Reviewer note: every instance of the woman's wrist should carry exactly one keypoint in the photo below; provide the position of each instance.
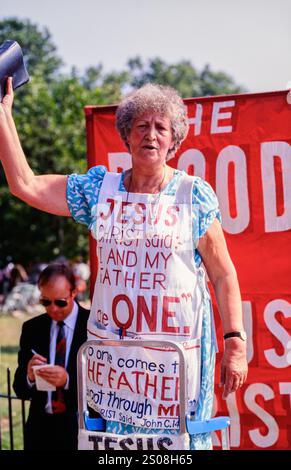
(9, 118)
(235, 343)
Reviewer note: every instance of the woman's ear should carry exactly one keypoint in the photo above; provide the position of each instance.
(171, 151)
(127, 144)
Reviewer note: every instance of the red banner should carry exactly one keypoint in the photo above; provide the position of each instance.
(240, 144)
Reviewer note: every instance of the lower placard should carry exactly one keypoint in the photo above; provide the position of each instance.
(92, 440)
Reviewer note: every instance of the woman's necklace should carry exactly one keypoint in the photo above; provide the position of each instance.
(160, 185)
(153, 207)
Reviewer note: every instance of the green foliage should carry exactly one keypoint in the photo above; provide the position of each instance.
(217, 83)
(38, 49)
(111, 84)
(182, 76)
(50, 120)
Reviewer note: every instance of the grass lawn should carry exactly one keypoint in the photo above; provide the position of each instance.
(10, 329)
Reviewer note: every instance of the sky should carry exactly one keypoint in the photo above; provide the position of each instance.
(248, 39)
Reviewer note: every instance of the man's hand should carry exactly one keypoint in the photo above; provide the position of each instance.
(234, 367)
(56, 375)
(36, 360)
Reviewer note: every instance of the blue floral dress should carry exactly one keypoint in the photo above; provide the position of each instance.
(82, 197)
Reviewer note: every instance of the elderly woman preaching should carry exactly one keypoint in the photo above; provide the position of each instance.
(154, 227)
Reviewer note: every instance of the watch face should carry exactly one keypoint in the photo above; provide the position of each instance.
(243, 335)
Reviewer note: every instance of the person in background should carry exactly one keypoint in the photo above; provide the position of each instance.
(81, 271)
(5, 274)
(22, 295)
(52, 338)
(18, 274)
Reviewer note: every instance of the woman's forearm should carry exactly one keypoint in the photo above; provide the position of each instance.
(17, 170)
(44, 192)
(229, 302)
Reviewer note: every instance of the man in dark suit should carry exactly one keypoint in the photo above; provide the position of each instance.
(52, 338)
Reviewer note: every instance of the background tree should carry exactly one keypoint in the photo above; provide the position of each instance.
(182, 76)
(38, 48)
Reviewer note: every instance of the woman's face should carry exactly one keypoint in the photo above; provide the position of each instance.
(150, 138)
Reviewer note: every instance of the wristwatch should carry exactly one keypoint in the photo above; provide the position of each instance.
(236, 334)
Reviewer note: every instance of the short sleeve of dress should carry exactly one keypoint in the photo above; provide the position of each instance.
(83, 192)
(205, 207)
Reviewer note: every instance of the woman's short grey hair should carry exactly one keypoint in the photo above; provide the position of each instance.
(158, 98)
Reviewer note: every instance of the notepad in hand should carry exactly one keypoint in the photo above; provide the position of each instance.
(42, 384)
(11, 65)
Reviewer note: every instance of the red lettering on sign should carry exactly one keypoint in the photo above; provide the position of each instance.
(110, 378)
(143, 311)
(164, 387)
(150, 384)
(110, 211)
(169, 314)
(172, 212)
(94, 371)
(123, 381)
(116, 301)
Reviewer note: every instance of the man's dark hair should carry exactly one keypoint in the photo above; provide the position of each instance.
(54, 270)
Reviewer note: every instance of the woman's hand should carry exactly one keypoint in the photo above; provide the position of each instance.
(234, 367)
(7, 102)
(44, 192)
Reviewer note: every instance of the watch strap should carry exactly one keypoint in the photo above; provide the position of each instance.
(235, 334)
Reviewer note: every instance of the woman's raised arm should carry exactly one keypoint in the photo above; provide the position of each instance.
(44, 192)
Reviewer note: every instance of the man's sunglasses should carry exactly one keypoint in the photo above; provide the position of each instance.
(58, 302)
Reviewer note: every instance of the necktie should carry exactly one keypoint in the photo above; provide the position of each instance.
(58, 400)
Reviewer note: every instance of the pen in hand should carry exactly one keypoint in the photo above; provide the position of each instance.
(37, 354)
(35, 361)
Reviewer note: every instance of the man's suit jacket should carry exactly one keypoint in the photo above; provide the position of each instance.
(36, 335)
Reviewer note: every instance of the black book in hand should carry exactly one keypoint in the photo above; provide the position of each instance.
(11, 65)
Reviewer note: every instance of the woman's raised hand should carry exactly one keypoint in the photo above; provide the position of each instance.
(7, 102)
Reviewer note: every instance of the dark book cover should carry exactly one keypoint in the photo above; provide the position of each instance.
(11, 65)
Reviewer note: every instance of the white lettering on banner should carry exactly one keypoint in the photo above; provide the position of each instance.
(275, 306)
(285, 389)
(262, 440)
(197, 120)
(195, 158)
(248, 326)
(233, 154)
(218, 116)
(237, 433)
(289, 352)
(270, 150)
(235, 428)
